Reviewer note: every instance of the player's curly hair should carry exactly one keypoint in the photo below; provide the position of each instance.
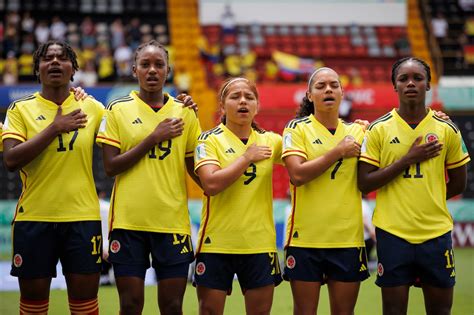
(43, 48)
(399, 62)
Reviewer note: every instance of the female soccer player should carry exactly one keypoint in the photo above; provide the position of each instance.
(404, 157)
(49, 137)
(325, 242)
(234, 162)
(148, 141)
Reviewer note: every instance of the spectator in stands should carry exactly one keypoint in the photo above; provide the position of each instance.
(150, 219)
(27, 24)
(228, 20)
(105, 70)
(58, 28)
(440, 26)
(49, 136)
(182, 80)
(42, 32)
(123, 61)
(234, 162)
(10, 69)
(405, 157)
(325, 241)
(134, 35)
(469, 29)
(118, 33)
(88, 33)
(87, 77)
(466, 5)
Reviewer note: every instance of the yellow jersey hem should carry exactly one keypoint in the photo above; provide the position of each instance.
(56, 219)
(148, 229)
(419, 240)
(326, 245)
(238, 251)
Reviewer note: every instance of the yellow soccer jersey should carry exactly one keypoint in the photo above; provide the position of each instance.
(413, 205)
(238, 220)
(58, 185)
(327, 211)
(150, 196)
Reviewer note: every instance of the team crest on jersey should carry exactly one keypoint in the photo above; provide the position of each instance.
(380, 269)
(17, 260)
(287, 142)
(201, 151)
(200, 268)
(290, 262)
(115, 246)
(431, 137)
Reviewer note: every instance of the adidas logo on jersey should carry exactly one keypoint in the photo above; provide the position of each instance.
(184, 250)
(362, 268)
(40, 117)
(318, 141)
(229, 150)
(207, 241)
(137, 121)
(395, 140)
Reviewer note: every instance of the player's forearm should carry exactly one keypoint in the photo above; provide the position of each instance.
(190, 168)
(457, 181)
(306, 171)
(220, 179)
(370, 178)
(19, 154)
(117, 163)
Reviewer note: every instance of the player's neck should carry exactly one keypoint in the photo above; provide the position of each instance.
(154, 99)
(327, 119)
(412, 113)
(55, 94)
(241, 131)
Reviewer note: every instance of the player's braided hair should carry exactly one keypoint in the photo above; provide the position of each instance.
(43, 48)
(399, 62)
(223, 93)
(151, 43)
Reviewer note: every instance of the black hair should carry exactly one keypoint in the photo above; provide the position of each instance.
(43, 48)
(151, 43)
(306, 108)
(399, 62)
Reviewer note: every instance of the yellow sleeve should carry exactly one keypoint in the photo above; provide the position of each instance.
(293, 143)
(194, 132)
(277, 147)
(370, 149)
(108, 130)
(100, 110)
(14, 126)
(457, 154)
(206, 153)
